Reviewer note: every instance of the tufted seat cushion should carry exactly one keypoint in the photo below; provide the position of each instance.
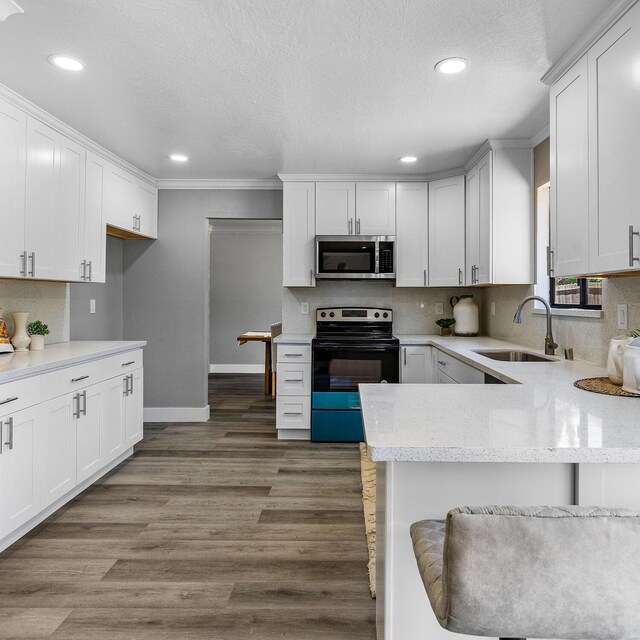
(536, 572)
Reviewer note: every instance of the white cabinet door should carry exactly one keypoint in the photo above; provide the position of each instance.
(42, 200)
(13, 145)
(614, 140)
(20, 492)
(375, 209)
(446, 232)
(412, 242)
(114, 424)
(147, 209)
(58, 440)
(133, 409)
(473, 224)
(479, 221)
(298, 234)
(90, 448)
(94, 234)
(119, 198)
(416, 365)
(335, 208)
(570, 172)
(69, 240)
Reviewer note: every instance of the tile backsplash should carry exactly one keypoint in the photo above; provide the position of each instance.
(46, 301)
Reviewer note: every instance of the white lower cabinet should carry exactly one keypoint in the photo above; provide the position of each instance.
(451, 370)
(293, 397)
(416, 365)
(49, 449)
(20, 489)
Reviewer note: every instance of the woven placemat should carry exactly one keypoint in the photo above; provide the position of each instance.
(604, 386)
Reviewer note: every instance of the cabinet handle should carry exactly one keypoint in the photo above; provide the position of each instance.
(76, 406)
(632, 233)
(311, 277)
(292, 413)
(358, 227)
(79, 379)
(83, 270)
(293, 379)
(1, 438)
(131, 384)
(126, 364)
(460, 277)
(32, 271)
(125, 391)
(404, 355)
(84, 403)
(425, 277)
(23, 260)
(293, 355)
(550, 269)
(350, 226)
(90, 264)
(8, 400)
(9, 442)
(442, 362)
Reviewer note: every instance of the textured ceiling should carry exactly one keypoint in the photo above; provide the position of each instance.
(249, 88)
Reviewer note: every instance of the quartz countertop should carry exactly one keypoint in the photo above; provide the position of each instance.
(14, 366)
(539, 417)
(294, 338)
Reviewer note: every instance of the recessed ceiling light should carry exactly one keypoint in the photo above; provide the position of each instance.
(408, 159)
(66, 62)
(452, 65)
(178, 157)
(9, 8)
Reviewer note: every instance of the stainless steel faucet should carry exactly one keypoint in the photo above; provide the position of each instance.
(550, 345)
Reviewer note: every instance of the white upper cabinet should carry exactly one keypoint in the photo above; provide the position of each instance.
(447, 232)
(298, 234)
(375, 209)
(614, 140)
(146, 209)
(120, 198)
(93, 254)
(335, 208)
(13, 144)
(479, 221)
(570, 173)
(412, 243)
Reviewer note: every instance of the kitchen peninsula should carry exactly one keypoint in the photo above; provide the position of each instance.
(536, 440)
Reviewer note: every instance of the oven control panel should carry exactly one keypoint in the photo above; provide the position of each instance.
(354, 314)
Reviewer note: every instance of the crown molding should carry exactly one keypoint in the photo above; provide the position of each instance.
(588, 39)
(43, 116)
(351, 177)
(231, 183)
(445, 173)
(541, 136)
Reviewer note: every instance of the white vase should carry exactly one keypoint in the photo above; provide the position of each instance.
(37, 343)
(615, 359)
(20, 339)
(465, 312)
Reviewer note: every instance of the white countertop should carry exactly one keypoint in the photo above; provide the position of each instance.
(14, 366)
(294, 338)
(543, 418)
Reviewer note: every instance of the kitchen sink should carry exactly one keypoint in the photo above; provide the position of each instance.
(515, 356)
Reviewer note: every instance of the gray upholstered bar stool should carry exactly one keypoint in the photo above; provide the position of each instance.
(537, 572)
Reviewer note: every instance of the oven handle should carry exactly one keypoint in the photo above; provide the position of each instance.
(343, 347)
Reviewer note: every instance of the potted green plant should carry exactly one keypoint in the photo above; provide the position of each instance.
(37, 330)
(445, 325)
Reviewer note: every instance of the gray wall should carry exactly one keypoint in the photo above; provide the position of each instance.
(246, 286)
(106, 322)
(166, 289)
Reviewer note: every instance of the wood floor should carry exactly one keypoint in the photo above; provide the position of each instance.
(213, 530)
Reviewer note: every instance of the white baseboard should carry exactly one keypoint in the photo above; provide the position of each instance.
(236, 368)
(176, 414)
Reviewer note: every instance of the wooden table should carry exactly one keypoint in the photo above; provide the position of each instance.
(261, 336)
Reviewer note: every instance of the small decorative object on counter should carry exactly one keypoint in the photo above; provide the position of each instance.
(5, 343)
(446, 325)
(465, 312)
(37, 330)
(631, 367)
(616, 357)
(20, 339)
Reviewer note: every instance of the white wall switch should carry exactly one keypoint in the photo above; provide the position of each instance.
(304, 308)
(439, 308)
(493, 308)
(92, 306)
(623, 316)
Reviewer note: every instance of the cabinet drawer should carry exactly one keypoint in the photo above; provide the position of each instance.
(58, 383)
(293, 412)
(294, 353)
(294, 379)
(18, 395)
(123, 363)
(460, 372)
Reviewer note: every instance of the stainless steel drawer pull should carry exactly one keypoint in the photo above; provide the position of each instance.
(32, 271)
(404, 355)
(84, 403)
(293, 355)
(90, 265)
(9, 442)
(293, 379)
(8, 400)
(126, 364)
(292, 413)
(632, 233)
(444, 364)
(460, 276)
(125, 391)
(79, 379)
(76, 406)
(131, 383)
(23, 260)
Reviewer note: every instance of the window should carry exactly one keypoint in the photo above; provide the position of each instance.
(562, 293)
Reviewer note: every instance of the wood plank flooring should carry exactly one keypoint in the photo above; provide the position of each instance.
(215, 530)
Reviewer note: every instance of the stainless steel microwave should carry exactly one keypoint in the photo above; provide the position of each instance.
(355, 257)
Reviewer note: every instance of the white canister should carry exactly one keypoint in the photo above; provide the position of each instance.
(631, 372)
(616, 358)
(466, 314)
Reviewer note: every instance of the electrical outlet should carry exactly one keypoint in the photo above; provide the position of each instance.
(439, 308)
(493, 308)
(623, 316)
(92, 306)
(304, 308)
